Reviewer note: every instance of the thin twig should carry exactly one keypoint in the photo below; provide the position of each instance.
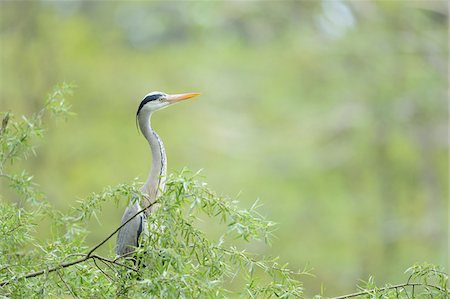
(123, 256)
(67, 286)
(406, 292)
(101, 270)
(113, 262)
(109, 266)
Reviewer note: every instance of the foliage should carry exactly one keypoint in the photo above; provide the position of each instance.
(177, 259)
(424, 281)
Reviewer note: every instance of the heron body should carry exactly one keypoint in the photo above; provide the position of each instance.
(129, 234)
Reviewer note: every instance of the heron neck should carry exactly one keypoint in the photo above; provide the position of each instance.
(156, 179)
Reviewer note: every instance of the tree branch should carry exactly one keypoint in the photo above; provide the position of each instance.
(38, 273)
(87, 256)
(403, 285)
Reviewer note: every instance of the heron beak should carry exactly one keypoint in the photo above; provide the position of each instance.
(173, 98)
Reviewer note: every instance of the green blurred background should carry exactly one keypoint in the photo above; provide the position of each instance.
(332, 113)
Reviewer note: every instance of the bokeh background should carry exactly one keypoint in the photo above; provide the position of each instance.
(333, 114)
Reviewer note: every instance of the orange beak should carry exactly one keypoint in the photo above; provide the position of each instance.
(173, 98)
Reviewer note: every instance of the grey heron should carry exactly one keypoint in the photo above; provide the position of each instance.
(128, 236)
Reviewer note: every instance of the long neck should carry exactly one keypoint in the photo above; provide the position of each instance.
(156, 179)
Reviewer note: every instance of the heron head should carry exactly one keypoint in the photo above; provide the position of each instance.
(157, 100)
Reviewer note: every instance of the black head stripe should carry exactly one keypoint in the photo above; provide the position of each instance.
(147, 99)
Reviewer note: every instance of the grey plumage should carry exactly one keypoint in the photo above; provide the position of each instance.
(128, 236)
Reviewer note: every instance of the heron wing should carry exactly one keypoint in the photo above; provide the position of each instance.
(128, 236)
